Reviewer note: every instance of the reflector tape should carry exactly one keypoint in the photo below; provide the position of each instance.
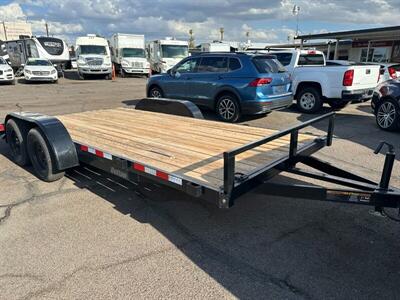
(157, 173)
(2, 128)
(96, 152)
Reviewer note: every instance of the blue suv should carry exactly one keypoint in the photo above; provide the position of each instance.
(231, 84)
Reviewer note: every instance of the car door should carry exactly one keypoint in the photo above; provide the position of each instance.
(203, 84)
(175, 82)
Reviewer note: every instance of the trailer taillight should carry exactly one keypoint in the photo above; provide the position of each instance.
(392, 73)
(260, 82)
(348, 78)
(2, 128)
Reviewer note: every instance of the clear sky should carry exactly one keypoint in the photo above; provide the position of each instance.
(267, 20)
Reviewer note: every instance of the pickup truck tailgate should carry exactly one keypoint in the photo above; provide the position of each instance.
(365, 76)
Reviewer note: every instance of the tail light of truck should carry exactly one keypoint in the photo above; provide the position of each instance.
(348, 78)
(392, 73)
(260, 82)
(2, 128)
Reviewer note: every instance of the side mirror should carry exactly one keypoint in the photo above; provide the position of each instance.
(158, 53)
(54, 65)
(22, 65)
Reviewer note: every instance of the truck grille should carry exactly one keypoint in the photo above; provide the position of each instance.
(137, 64)
(41, 73)
(94, 61)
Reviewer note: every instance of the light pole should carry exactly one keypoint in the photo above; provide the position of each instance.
(295, 12)
(221, 31)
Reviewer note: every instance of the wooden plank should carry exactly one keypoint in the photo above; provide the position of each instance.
(183, 146)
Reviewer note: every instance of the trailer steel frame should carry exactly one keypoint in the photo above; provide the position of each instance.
(357, 189)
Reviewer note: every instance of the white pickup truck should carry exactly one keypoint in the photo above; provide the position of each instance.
(315, 83)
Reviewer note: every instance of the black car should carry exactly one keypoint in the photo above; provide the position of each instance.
(386, 104)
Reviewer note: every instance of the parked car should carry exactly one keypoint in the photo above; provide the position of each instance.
(231, 84)
(386, 105)
(389, 71)
(6, 72)
(315, 82)
(39, 69)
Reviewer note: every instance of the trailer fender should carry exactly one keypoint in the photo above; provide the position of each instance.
(63, 150)
(170, 106)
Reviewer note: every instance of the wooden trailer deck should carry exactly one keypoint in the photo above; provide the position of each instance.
(187, 147)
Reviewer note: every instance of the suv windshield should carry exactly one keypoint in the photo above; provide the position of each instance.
(132, 52)
(93, 49)
(174, 51)
(268, 64)
(40, 62)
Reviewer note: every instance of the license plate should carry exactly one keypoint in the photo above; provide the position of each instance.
(279, 89)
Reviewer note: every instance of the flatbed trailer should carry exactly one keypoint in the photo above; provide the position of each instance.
(169, 142)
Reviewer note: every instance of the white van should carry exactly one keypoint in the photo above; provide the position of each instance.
(128, 54)
(93, 56)
(164, 54)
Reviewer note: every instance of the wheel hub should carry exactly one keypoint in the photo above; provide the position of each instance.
(307, 101)
(227, 109)
(386, 115)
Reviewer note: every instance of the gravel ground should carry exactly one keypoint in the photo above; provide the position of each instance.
(94, 236)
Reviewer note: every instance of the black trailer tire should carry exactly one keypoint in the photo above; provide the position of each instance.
(156, 92)
(338, 104)
(387, 115)
(16, 134)
(40, 156)
(309, 100)
(227, 108)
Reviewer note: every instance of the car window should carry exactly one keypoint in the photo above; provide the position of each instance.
(188, 66)
(234, 64)
(266, 64)
(213, 64)
(284, 58)
(311, 59)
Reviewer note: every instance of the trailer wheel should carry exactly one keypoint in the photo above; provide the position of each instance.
(39, 154)
(16, 139)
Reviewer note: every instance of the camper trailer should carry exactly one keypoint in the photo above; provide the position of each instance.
(164, 54)
(128, 54)
(93, 56)
(53, 49)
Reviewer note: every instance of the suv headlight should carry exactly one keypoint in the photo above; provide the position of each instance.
(53, 71)
(81, 61)
(125, 63)
(8, 70)
(27, 71)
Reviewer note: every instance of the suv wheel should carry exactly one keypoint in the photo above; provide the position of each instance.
(155, 92)
(309, 100)
(387, 115)
(228, 109)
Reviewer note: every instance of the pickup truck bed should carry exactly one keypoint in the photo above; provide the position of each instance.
(185, 147)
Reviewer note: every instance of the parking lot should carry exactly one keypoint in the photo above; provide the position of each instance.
(94, 236)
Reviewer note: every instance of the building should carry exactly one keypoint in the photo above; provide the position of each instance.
(13, 30)
(366, 45)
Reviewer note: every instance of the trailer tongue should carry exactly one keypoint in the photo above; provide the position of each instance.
(212, 161)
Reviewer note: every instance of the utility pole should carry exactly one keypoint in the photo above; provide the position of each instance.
(295, 12)
(5, 31)
(47, 29)
(221, 31)
(191, 40)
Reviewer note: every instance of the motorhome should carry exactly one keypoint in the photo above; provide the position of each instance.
(164, 54)
(128, 54)
(53, 49)
(93, 56)
(215, 47)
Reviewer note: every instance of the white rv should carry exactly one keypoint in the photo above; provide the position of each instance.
(93, 56)
(164, 54)
(53, 49)
(215, 47)
(128, 54)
